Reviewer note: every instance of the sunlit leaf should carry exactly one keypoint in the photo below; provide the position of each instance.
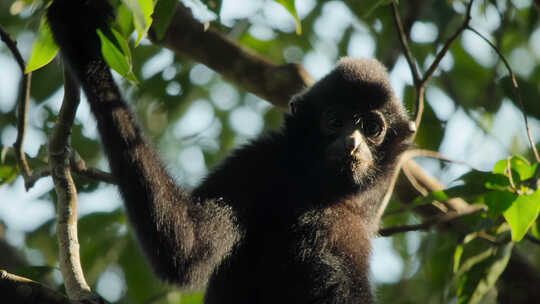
(7, 174)
(518, 164)
(522, 214)
(114, 55)
(142, 16)
(124, 20)
(457, 257)
(192, 298)
(289, 6)
(44, 48)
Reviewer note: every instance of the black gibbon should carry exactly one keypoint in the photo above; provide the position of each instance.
(286, 218)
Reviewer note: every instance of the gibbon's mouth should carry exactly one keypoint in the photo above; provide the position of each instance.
(360, 158)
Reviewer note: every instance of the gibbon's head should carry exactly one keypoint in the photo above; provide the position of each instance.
(352, 120)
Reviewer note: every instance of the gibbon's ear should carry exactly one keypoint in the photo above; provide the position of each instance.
(412, 127)
(296, 104)
(293, 107)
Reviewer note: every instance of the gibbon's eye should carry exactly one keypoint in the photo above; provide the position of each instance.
(373, 126)
(331, 121)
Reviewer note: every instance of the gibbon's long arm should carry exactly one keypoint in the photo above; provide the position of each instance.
(185, 239)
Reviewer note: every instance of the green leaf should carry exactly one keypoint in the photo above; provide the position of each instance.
(7, 174)
(482, 266)
(164, 12)
(44, 48)
(142, 16)
(522, 214)
(117, 54)
(518, 164)
(498, 202)
(458, 252)
(289, 6)
(124, 20)
(192, 298)
(495, 268)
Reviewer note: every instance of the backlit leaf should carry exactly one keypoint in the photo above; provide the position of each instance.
(44, 49)
(142, 16)
(289, 6)
(117, 54)
(522, 214)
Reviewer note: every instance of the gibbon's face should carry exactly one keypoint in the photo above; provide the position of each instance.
(352, 140)
(353, 120)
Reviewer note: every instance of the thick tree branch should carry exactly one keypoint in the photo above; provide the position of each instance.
(66, 228)
(254, 73)
(18, 290)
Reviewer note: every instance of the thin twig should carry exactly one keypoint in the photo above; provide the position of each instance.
(407, 156)
(78, 165)
(405, 45)
(22, 112)
(515, 87)
(435, 221)
(414, 182)
(12, 46)
(435, 64)
(420, 81)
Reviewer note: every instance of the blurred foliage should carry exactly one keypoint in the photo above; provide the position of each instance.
(191, 112)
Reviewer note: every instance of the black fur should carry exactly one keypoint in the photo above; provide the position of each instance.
(276, 222)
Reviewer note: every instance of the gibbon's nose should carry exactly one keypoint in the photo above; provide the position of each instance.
(354, 141)
(357, 147)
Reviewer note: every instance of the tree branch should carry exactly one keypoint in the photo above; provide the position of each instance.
(78, 165)
(405, 45)
(420, 81)
(435, 64)
(66, 228)
(18, 290)
(435, 221)
(22, 112)
(254, 73)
